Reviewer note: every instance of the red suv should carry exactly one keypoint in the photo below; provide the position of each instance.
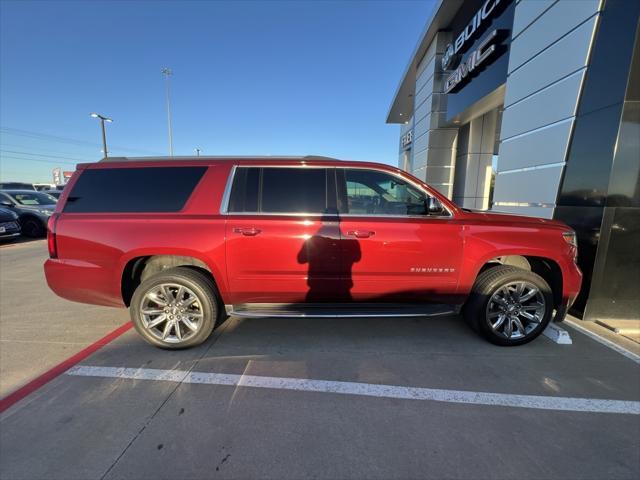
(184, 242)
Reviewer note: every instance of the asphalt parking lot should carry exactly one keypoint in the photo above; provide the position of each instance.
(315, 398)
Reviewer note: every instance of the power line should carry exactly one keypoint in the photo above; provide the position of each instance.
(53, 162)
(43, 155)
(55, 138)
(48, 150)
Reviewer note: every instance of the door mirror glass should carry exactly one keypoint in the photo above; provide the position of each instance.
(434, 206)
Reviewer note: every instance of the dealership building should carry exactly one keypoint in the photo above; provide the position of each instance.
(532, 107)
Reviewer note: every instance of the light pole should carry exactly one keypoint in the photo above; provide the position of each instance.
(197, 150)
(104, 132)
(167, 73)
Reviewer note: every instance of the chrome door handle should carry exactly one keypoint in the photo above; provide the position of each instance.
(361, 233)
(247, 232)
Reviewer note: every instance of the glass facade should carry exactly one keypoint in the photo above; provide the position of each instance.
(598, 196)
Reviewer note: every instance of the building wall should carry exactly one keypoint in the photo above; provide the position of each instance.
(474, 154)
(548, 59)
(405, 155)
(433, 150)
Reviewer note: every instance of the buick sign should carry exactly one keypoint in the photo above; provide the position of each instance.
(448, 58)
(473, 61)
(451, 51)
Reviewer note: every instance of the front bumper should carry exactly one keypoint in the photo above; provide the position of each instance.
(9, 229)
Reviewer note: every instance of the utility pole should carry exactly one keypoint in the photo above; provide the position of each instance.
(167, 73)
(104, 132)
(197, 150)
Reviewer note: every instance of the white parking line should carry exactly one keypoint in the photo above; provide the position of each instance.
(593, 405)
(604, 341)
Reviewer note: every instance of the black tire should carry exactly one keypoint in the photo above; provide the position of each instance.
(475, 310)
(208, 305)
(33, 227)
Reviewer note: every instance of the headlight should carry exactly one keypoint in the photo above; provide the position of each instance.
(45, 212)
(570, 238)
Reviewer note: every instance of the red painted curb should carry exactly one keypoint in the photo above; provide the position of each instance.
(62, 367)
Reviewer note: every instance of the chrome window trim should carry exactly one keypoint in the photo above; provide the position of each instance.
(224, 204)
(419, 187)
(227, 194)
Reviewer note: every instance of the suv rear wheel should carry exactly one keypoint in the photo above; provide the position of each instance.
(509, 306)
(176, 308)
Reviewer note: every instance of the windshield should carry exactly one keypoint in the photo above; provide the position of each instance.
(35, 198)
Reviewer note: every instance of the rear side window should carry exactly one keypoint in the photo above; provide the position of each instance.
(244, 194)
(144, 189)
(294, 190)
(283, 190)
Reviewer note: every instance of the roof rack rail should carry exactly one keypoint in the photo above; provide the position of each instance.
(217, 157)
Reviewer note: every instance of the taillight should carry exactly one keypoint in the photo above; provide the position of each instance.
(52, 242)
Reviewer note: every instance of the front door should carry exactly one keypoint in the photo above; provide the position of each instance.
(392, 249)
(282, 235)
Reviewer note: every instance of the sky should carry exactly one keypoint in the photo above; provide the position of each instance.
(249, 78)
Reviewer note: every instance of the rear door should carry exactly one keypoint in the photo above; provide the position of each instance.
(391, 248)
(282, 235)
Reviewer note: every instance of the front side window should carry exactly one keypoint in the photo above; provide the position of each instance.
(370, 192)
(282, 190)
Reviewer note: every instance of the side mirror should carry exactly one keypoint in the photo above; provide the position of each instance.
(434, 207)
(6, 203)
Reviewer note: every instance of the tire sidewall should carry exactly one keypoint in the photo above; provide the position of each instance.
(34, 231)
(482, 300)
(204, 293)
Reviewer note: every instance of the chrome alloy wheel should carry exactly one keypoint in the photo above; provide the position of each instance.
(170, 312)
(516, 309)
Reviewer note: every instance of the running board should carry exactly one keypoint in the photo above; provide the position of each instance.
(348, 310)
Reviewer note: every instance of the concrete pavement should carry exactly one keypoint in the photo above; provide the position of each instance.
(37, 328)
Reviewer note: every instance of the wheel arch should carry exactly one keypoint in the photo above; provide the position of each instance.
(139, 268)
(546, 267)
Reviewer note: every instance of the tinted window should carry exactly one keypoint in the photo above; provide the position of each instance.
(146, 189)
(282, 190)
(294, 190)
(16, 186)
(370, 192)
(244, 193)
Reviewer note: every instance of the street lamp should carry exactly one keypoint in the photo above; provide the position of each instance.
(167, 73)
(104, 133)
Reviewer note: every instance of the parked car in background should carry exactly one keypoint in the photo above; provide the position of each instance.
(54, 193)
(16, 186)
(33, 209)
(185, 241)
(41, 187)
(9, 225)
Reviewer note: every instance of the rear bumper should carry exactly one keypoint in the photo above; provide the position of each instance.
(83, 282)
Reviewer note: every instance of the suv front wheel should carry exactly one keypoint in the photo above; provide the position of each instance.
(509, 306)
(176, 308)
